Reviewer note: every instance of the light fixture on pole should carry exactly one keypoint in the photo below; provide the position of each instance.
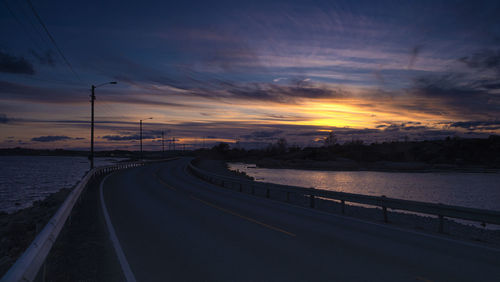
(92, 99)
(140, 134)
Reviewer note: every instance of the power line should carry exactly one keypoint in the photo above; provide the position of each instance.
(52, 39)
(21, 24)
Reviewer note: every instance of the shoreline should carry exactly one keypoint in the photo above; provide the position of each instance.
(349, 165)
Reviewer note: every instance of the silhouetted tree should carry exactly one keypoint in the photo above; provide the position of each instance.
(330, 140)
(282, 145)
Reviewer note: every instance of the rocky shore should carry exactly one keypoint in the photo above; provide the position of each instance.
(18, 229)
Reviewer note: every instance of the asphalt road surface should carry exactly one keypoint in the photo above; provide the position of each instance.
(172, 226)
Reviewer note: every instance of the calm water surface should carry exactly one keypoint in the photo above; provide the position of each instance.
(25, 179)
(477, 190)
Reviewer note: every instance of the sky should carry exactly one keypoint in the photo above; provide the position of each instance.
(248, 72)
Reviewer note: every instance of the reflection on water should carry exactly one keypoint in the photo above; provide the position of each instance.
(477, 190)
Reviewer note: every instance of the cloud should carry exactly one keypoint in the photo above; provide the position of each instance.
(262, 134)
(477, 125)
(13, 64)
(51, 138)
(483, 60)
(132, 137)
(122, 137)
(29, 93)
(413, 55)
(3, 118)
(292, 93)
(454, 94)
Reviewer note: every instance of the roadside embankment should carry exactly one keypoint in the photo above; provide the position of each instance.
(19, 229)
(82, 251)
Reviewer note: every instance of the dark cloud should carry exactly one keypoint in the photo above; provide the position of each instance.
(453, 94)
(483, 60)
(44, 58)
(131, 137)
(312, 133)
(3, 118)
(121, 137)
(477, 125)
(13, 64)
(415, 51)
(284, 93)
(74, 95)
(51, 138)
(262, 134)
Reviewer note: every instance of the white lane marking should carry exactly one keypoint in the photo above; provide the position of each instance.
(129, 275)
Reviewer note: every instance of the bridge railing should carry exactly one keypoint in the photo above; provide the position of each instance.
(439, 210)
(28, 265)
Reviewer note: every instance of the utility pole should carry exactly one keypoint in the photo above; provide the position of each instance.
(92, 99)
(162, 145)
(140, 135)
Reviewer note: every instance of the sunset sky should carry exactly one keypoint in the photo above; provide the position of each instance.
(249, 71)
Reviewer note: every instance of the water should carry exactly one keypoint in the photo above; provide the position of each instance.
(475, 190)
(25, 179)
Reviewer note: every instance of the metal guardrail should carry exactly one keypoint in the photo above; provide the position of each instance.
(440, 210)
(27, 266)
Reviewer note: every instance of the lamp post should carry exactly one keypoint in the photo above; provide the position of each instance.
(140, 134)
(92, 99)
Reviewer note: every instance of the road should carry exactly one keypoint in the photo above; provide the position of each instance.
(172, 226)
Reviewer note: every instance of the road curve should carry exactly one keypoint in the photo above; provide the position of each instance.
(173, 226)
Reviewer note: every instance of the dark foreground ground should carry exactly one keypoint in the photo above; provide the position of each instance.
(84, 252)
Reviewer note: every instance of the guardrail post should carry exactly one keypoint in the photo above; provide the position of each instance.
(287, 197)
(342, 203)
(441, 224)
(384, 209)
(311, 201)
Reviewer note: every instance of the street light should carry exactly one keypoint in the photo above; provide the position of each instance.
(92, 99)
(140, 136)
